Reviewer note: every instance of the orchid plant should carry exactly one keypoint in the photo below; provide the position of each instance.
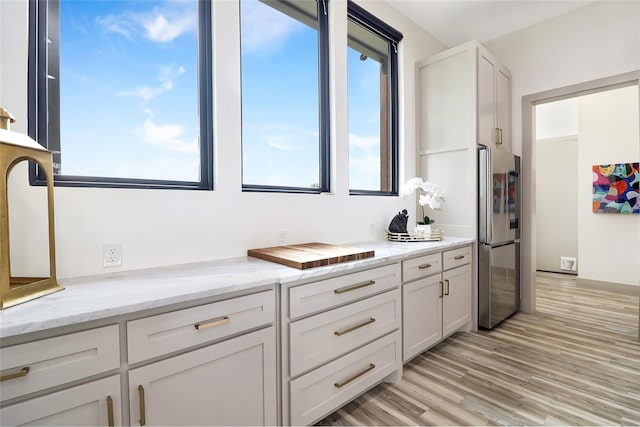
(431, 195)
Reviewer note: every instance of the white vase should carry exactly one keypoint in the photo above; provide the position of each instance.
(423, 229)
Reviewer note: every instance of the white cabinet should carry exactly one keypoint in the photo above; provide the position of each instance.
(343, 339)
(464, 99)
(229, 383)
(96, 403)
(50, 364)
(438, 303)
(494, 102)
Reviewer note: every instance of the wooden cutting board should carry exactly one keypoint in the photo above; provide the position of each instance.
(308, 255)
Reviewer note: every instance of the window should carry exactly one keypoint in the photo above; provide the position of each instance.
(373, 103)
(122, 91)
(285, 120)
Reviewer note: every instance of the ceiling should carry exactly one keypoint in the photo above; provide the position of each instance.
(457, 21)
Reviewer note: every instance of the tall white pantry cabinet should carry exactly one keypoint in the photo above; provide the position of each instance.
(464, 99)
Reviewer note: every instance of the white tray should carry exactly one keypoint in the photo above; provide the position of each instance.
(412, 236)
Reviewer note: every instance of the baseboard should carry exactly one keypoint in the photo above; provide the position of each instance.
(619, 288)
(566, 273)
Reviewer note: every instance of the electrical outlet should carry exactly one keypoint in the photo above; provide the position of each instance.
(112, 255)
(282, 237)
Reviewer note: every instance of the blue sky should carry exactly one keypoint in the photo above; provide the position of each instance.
(129, 92)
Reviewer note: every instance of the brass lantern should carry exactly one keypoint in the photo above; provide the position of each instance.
(14, 149)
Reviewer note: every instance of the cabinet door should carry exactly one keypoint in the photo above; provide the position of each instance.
(230, 383)
(503, 107)
(422, 315)
(84, 405)
(487, 134)
(456, 304)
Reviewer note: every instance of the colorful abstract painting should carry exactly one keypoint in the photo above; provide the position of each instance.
(616, 188)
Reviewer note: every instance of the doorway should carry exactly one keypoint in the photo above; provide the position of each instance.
(530, 169)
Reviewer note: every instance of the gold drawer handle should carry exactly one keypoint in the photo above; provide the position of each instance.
(353, 328)
(356, 376)
(457, 257)
(441, 289)
(143, 416)
(21, 373)
(423, 266)
(110, 411)
(354, 287)
(213, 323)
(446, 282)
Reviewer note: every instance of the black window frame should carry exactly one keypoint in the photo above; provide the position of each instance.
(38, 91)
(324, 122)
(369, 21)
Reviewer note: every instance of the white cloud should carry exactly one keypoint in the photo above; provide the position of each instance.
(167, 137)
(166, 76)
(365, 143)
(279, 142)
(264, 29)
(161, 25)
(160, 29)
(117, 24)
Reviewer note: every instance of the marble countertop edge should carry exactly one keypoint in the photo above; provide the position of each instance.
(101, 297)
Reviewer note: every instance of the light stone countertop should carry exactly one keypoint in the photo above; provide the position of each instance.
(86, 299)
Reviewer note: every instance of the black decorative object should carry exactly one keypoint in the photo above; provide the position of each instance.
(399, 222)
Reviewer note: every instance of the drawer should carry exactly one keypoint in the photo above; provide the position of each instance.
(456, 257)
(323, 337)
(417, 268)
(75, 406)
(157, 335)
(53, 361)
(318, 296)
(325, 389)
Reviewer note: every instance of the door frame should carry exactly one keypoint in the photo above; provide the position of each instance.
(528, 217)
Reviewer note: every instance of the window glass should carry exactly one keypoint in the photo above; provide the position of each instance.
(122, 89)
(372, 105)
(280, 94)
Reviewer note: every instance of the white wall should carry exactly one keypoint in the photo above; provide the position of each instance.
(609, 244)
(557, 201)
(596, 41)
(159, 227)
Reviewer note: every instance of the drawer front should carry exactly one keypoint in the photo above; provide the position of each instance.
(417, 268)
(157, 335)
(92, 404)
(38, 365)
(320, 338)
(456, 257)
(327, 388)
(319, 296)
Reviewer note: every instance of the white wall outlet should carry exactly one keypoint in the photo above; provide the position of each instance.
(112, 255)
(567, 263)
(282, 237)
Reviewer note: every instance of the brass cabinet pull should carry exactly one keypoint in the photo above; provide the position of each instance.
(498, 136)
(500, 129)
(110, 411)
(143, 416)
(213, 323)
(354, 287)
(458, 257)
(423, 266)
(356, 376)
(353, 328)
(446, 282)
(21, 373)
(441, 289)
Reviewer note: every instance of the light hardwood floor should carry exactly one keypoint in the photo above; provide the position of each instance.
(576, 361)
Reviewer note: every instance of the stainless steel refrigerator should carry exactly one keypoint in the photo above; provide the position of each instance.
(498, 236)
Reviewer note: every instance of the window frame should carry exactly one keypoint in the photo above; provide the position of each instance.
(367, 20)
(38, 91)
(324, 121)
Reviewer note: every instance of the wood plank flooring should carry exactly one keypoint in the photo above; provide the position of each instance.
(576, 361)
